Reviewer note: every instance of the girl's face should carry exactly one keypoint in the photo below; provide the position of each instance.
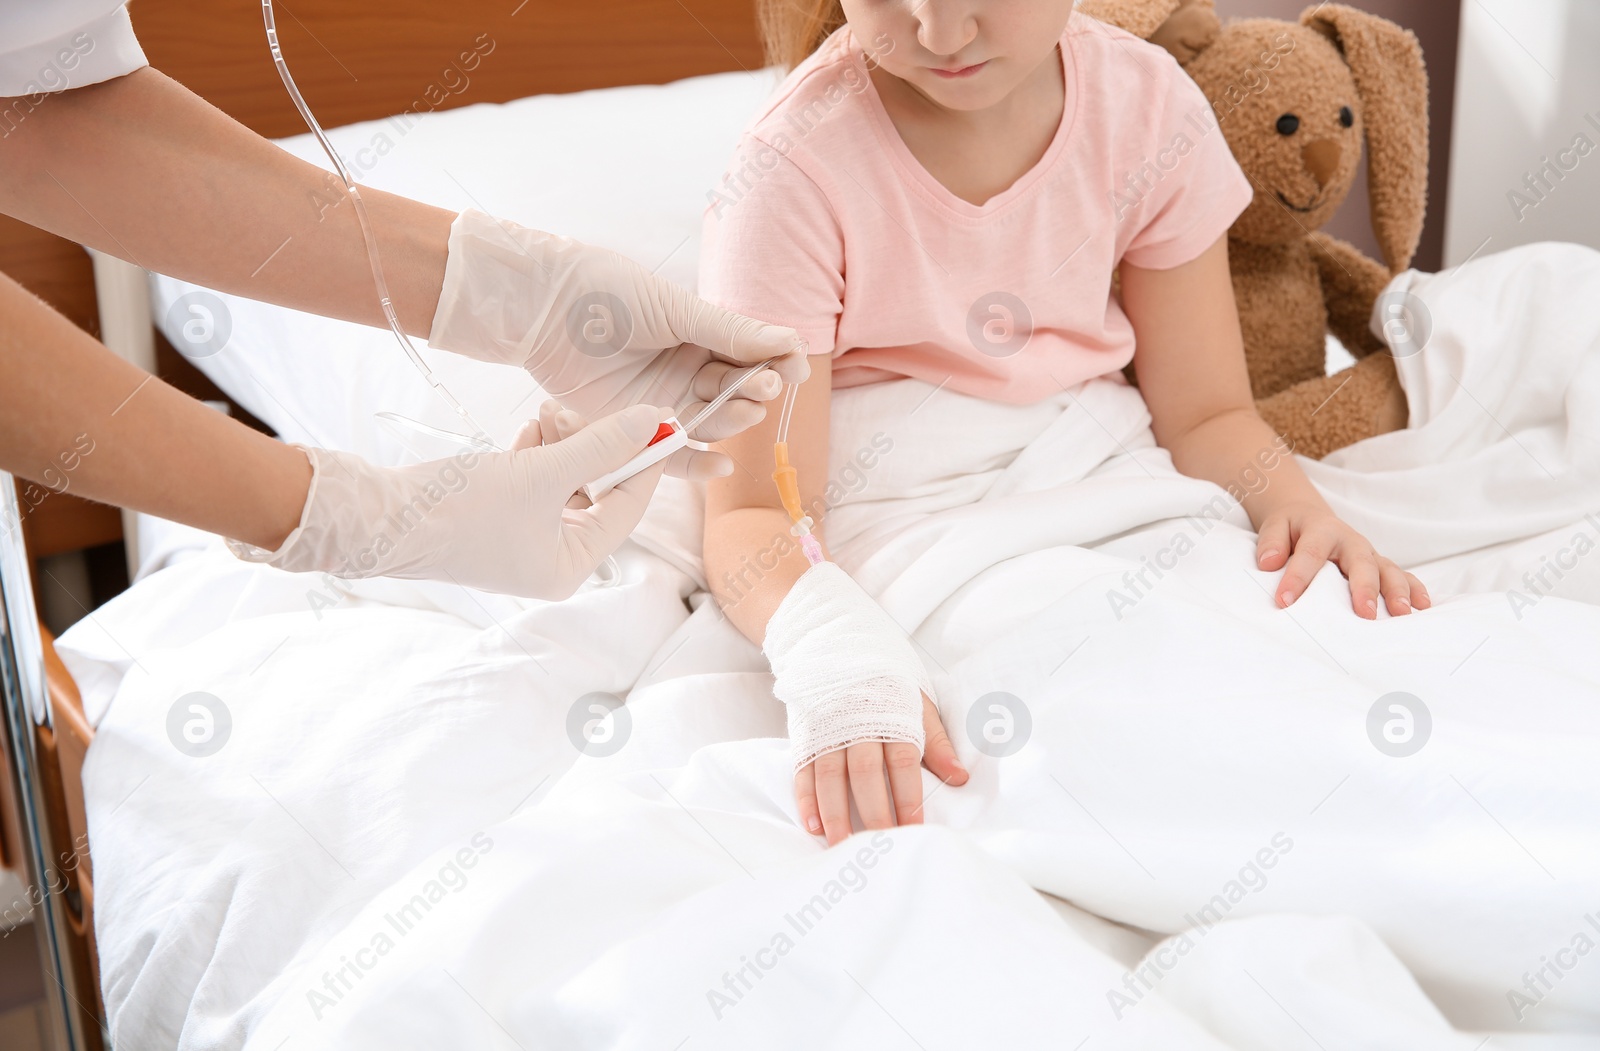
(961, 54)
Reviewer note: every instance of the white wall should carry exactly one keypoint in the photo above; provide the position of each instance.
(1527, 94)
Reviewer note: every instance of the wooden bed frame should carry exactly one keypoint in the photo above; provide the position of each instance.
(354, 60)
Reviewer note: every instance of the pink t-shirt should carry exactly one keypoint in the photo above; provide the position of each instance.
(825, 222)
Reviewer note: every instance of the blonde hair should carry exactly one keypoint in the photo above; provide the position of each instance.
(792, 29)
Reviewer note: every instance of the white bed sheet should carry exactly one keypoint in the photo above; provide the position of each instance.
(376, 734)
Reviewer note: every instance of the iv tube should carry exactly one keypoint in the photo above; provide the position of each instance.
(785, 476)
(788, 482)
(787, 412)
(366, 231)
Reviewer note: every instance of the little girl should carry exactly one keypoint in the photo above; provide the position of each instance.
(943, 190)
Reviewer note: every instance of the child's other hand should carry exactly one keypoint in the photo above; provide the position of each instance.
(1300, 538)
(884, 777)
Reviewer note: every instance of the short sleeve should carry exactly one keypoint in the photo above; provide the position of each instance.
(1188, 190)
(772, 248)
(54, 47)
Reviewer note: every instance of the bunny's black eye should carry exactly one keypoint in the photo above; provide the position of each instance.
(1288, 124)
(1347, 118)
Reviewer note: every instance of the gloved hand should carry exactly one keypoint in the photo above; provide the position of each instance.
(843, 668)
(599, 332)
(494, 521)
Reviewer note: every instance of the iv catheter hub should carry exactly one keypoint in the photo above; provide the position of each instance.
(670, 437)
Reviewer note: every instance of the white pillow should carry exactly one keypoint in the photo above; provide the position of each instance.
(626, 168)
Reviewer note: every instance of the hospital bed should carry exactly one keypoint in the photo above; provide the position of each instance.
(354, 61)
(640, 885)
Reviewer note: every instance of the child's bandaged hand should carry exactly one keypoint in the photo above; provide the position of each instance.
(856, 691)
(844, 668)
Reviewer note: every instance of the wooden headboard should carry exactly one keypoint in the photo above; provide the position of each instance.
(366, 59)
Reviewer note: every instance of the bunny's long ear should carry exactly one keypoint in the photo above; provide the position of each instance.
(1139, 17)
(1386, 62)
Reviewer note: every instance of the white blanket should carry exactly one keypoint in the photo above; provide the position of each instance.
(1306, 829)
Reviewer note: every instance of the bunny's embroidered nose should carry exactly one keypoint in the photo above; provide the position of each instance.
(1322, 160)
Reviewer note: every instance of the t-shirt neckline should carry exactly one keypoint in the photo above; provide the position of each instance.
(937, 191)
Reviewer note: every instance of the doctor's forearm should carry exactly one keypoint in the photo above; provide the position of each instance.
(142, 168)
(76, 418)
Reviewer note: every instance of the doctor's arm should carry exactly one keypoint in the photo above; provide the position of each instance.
(76, 418)
(141, 168)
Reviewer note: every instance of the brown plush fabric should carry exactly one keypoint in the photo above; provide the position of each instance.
(1330, 412)
(1191, 29)
(1142, 18)
(1280, 91)
(1386, 62)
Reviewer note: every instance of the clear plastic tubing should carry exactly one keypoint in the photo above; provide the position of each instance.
(787, 480)
(366, 232)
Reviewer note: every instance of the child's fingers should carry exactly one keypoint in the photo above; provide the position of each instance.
(905, 781)
(833, 799)
(1420, 599)
(805, 798)
(865, 764)
(939, 753)
(1272, 544)
(1309, 556)
(1361, 569)
(1396, 588)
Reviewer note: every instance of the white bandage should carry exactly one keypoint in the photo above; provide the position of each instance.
(844, 669)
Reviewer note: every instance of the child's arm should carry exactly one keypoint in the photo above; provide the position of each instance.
(1192, 374)
(752, 560)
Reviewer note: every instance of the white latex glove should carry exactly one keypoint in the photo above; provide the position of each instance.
(843, 668)
(599, 332)
(493, 521)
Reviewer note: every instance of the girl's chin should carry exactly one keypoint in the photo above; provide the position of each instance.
(965, 95)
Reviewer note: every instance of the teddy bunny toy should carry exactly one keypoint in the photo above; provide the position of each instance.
(1295, 102)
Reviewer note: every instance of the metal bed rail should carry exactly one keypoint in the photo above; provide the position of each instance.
(74, 1025)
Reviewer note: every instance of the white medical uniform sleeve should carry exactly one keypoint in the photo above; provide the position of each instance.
(843, 668)
(62, 44)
